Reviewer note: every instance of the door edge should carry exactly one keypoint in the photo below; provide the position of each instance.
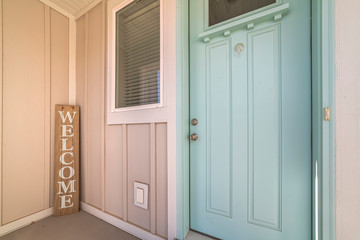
(182, 120)
(323, 138)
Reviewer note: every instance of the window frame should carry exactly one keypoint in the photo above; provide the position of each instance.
(113, 112)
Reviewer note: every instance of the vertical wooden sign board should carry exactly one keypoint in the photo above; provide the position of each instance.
(66, 199)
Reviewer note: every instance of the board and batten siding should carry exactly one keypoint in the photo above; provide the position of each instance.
(114, 156)
(34, 78)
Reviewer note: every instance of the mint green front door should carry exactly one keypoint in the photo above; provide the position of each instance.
(250, 91)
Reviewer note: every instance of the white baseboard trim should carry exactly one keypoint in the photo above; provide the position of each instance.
(10, 227)
(127, 227)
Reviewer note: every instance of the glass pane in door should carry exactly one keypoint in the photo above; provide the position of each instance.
(222, 10)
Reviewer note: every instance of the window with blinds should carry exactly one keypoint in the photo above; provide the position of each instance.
(137, 72)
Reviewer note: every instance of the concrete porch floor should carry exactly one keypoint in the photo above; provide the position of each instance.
(197, 236)
(79, 226)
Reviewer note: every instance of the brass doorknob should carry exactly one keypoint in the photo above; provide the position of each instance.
(194, 121)
(194, 137)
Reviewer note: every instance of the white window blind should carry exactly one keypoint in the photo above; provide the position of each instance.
(138, 54)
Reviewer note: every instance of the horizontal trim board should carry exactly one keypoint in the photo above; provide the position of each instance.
(23, 222)
(127, 227)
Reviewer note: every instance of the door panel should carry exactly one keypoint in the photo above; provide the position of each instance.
(264, 128)
(218, 113)
(250, 169)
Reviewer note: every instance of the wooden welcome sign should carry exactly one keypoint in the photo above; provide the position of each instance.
(66, 199)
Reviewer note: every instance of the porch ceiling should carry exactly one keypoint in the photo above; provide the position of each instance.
(71, 8)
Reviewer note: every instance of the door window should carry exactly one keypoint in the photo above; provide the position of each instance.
(222, 10)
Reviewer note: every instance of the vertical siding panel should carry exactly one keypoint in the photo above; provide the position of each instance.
(23, 109)
(153, 177)
(1, 107)
(86, 112)
(125, 171)
(161, 180)
(138, 170)
(103, 66)
(47, 106)
(95, 81)
(59, 76)
(80, 98)
(72, 61)
(114, 170)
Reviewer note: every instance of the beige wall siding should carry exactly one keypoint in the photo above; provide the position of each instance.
(36, 70)
(114, 170)
(95, 80)
(89, 85)
(138, 151)
(23, 109)
(59, 76)
(161, 180)
(130, 148)
(132, 152)
(34, 79)
(347, 120)
(81, 96)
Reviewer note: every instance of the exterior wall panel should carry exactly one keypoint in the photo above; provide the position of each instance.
(132, 152)
(347, 120)
(95, 80)
(81, 93)
(138, 162)
(114, 190)
(35, 78)
(59, 65)
(161, 180)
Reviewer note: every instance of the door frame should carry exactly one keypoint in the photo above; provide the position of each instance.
(323, 132)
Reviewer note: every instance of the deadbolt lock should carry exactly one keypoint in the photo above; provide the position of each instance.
(194, 121)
